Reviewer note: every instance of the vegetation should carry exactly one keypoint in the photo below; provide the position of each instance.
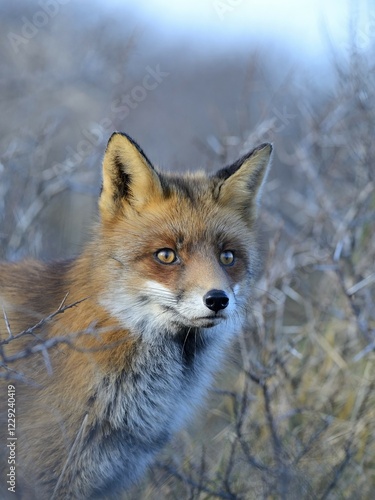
(293, 413)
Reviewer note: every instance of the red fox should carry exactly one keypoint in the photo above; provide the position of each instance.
(160, 289)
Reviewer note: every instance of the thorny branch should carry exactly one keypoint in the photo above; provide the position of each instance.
(302, 422)
(30, 331)
(42, 346)
(299, 419)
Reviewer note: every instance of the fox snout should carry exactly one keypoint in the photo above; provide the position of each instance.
(216, 300)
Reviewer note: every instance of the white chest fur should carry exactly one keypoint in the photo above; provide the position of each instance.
(143, 407)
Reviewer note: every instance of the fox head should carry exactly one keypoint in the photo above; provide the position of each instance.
(180, 250)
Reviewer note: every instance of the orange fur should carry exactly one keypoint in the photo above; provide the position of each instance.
(137, 349)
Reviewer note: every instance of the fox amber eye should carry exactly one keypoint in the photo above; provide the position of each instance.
(166, 256)
(227, 258)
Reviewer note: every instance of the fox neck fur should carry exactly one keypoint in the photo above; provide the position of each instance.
(159, 291)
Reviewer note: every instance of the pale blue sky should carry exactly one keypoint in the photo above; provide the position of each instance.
(301, 25)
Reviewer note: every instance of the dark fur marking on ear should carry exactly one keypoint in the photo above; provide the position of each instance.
(122, 181)
(229, 170)
(132, 141)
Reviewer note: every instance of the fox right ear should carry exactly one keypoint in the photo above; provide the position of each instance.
(129, 179)
(240, 185)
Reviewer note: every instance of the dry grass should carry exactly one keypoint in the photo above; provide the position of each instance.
(294, 414)
(297, 419)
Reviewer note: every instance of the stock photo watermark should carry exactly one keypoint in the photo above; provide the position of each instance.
(33, 24)
(283, 118)
(120, 109)
(11, 439)
(223, 7)
(366, 34)
(126, 102)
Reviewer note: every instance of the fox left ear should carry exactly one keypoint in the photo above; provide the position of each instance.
(129, 179)
(241, 183)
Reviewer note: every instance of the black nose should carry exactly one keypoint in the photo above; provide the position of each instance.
(216, 300)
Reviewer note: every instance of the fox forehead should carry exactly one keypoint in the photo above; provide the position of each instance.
(196, 188)
(183, 220)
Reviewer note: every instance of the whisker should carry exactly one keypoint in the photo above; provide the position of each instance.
(184, 344)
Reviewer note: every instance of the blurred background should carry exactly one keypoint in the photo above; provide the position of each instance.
(197, 84)
(194, 83)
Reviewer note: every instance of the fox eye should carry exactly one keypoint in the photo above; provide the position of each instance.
(166, 256)
(227, 258)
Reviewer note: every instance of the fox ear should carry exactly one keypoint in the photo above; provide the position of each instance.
(241, 183)
(129, 179)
